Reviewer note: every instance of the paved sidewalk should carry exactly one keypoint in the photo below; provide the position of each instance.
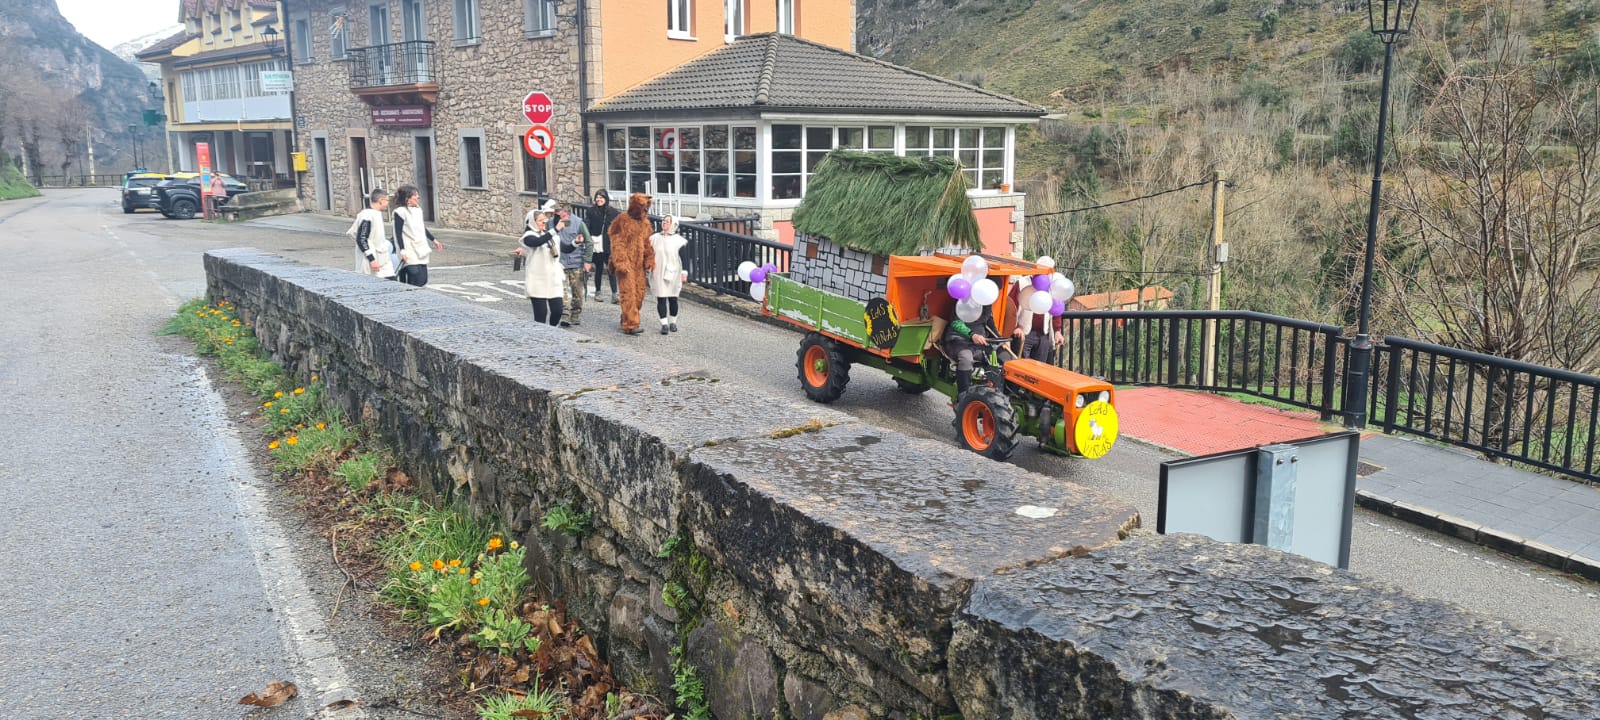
(1552, 521)
(1548, 520)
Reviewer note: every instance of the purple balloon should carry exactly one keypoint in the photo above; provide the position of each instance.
(1057, 307)
(758, 275)
(959, 289)
(1041, 282)
(771, 268)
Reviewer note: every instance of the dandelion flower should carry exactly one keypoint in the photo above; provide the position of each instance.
(438, 564)
(495, 543)
(293, 440)
(474, 580)
(455, 563)
(415, 566)
(272, 445)
(483, 601)
(322, 426)
(278, 394)
(267, 404)
(299, 391)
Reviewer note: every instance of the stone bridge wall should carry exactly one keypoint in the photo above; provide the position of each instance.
(851, 572)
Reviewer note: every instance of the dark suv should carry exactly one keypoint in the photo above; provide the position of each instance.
(138, 191)
(179, 196)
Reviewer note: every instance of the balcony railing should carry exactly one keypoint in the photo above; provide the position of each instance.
(395, 64)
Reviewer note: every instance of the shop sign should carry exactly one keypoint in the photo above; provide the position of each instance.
(402, 116)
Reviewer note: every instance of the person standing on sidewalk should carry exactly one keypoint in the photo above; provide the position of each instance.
(374, 253)
(632, 258)
(541, 272)
(598, 220)
(575, 258)
(219, 195)
(666, 280)
(412, 237)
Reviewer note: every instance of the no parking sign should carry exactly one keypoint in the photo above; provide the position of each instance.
(539, 141)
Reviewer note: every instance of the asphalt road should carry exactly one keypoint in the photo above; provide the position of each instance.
(149, 581)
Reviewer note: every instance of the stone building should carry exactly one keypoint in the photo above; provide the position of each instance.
(218, 76)
(717, 107)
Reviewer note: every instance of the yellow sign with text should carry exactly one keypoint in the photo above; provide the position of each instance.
(1096, 430)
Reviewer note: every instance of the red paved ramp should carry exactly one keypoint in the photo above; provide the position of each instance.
(1201, 423)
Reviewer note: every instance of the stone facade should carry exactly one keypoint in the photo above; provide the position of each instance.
(850, 572)
(480, 89)
(826, 265)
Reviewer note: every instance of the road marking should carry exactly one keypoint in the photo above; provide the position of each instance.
(489, 284)
(461, 267)
(1487, 561)
(468, 294)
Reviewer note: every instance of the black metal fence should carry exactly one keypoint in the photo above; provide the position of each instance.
(85, 180)
(402, 63)
(1541, 416)
(717, 246)
(1294, 362)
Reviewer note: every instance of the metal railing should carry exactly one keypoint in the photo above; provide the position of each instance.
(402, 63)
(713, 255)
(1541, 416)
(1290, 361)
(84, 180)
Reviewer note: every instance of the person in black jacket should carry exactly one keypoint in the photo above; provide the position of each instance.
(598, 219)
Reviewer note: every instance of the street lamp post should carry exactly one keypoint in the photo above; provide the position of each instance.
(134, 131)
(1388, 19)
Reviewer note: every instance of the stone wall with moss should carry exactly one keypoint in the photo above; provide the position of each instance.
(804, 565)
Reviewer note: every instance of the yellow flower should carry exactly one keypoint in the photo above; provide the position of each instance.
(438, 564)
(455, 563)
(495, 543)
(514, 545)
(293, 440)
(299, 391)
(313, 378)
(272, 445)
(463, 571)
(300, 427)
(483, 601)
(278, 394)
(415, 566)
(267, 404)
(322, 426)
(474, 580)
(283, 411)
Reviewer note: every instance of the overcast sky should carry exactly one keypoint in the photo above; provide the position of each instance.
(111, 22)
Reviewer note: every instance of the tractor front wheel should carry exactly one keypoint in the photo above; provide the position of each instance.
(986, 423)
(824, 371)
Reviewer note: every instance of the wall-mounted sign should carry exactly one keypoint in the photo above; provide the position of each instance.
(402, 116)
(300, 121)
(277, 81)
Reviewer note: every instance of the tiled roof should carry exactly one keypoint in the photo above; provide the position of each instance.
(165, 46)
(772, 71)
(1121, 298)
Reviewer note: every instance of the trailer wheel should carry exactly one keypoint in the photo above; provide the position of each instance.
(914, 388)
(986, 423)
(824, 371)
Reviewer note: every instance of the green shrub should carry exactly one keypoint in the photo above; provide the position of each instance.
(546, 703)
(566, 520)
(505, 633)
(358, 471)
(1361, 51)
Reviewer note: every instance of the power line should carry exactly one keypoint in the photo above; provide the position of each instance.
(1081, 270)
(1120, 202)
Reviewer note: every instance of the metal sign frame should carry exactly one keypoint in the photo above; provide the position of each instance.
(1249, 479)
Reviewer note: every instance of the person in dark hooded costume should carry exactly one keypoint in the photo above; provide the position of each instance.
(632, 257)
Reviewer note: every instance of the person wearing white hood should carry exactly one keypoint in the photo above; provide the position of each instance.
(666, 279)
(412, 237)
(375, 255)
(541, 273)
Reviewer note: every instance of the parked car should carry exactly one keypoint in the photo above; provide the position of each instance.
(138, 191)
(179, 195)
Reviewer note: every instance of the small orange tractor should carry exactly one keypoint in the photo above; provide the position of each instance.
(1069, 413)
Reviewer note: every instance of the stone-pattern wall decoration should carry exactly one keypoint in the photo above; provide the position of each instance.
(834, 570)
(838, 269)
(480, 88)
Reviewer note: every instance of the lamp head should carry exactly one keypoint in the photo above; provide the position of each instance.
(1390, 19)
(270, 36)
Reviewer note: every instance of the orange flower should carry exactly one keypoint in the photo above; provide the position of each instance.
(272, 445)
(495, 543)
(438, 564)
(463, 571)
(322, 426)
(415, 566)
(483, 601)
(474, 580)
(293, 440)
(455, 563)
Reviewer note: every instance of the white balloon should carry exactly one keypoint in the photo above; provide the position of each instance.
(1062, 289)
(1045, 261)
(1039, 302)
(985, 292)
(968, 311)
(744, 270)
(758, 291)
(974, 267)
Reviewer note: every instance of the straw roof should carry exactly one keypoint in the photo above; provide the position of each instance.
(889, 205)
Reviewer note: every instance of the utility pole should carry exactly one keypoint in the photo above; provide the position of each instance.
(1219, 255)
(88, 139)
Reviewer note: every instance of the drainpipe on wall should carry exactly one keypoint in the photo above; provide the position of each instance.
(583, 94)
(294, 125)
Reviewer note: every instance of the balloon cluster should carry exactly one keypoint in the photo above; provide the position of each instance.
(972, 290)
(1052, 290)
(756, 275)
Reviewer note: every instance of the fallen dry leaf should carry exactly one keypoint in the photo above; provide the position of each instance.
(277, 691)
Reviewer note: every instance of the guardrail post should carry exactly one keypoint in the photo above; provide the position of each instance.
(1171, 329)
(1391, 393)
(1330, 366)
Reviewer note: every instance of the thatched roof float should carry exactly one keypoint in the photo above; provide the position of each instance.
(889, 205)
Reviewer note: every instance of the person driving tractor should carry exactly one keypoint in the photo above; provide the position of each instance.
(964, 341)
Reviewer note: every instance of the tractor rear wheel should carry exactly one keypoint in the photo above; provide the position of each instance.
(986, 423)
(824, 371)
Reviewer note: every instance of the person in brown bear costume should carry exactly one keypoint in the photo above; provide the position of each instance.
(632, 258)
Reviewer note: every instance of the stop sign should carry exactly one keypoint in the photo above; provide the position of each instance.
(538, 107)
